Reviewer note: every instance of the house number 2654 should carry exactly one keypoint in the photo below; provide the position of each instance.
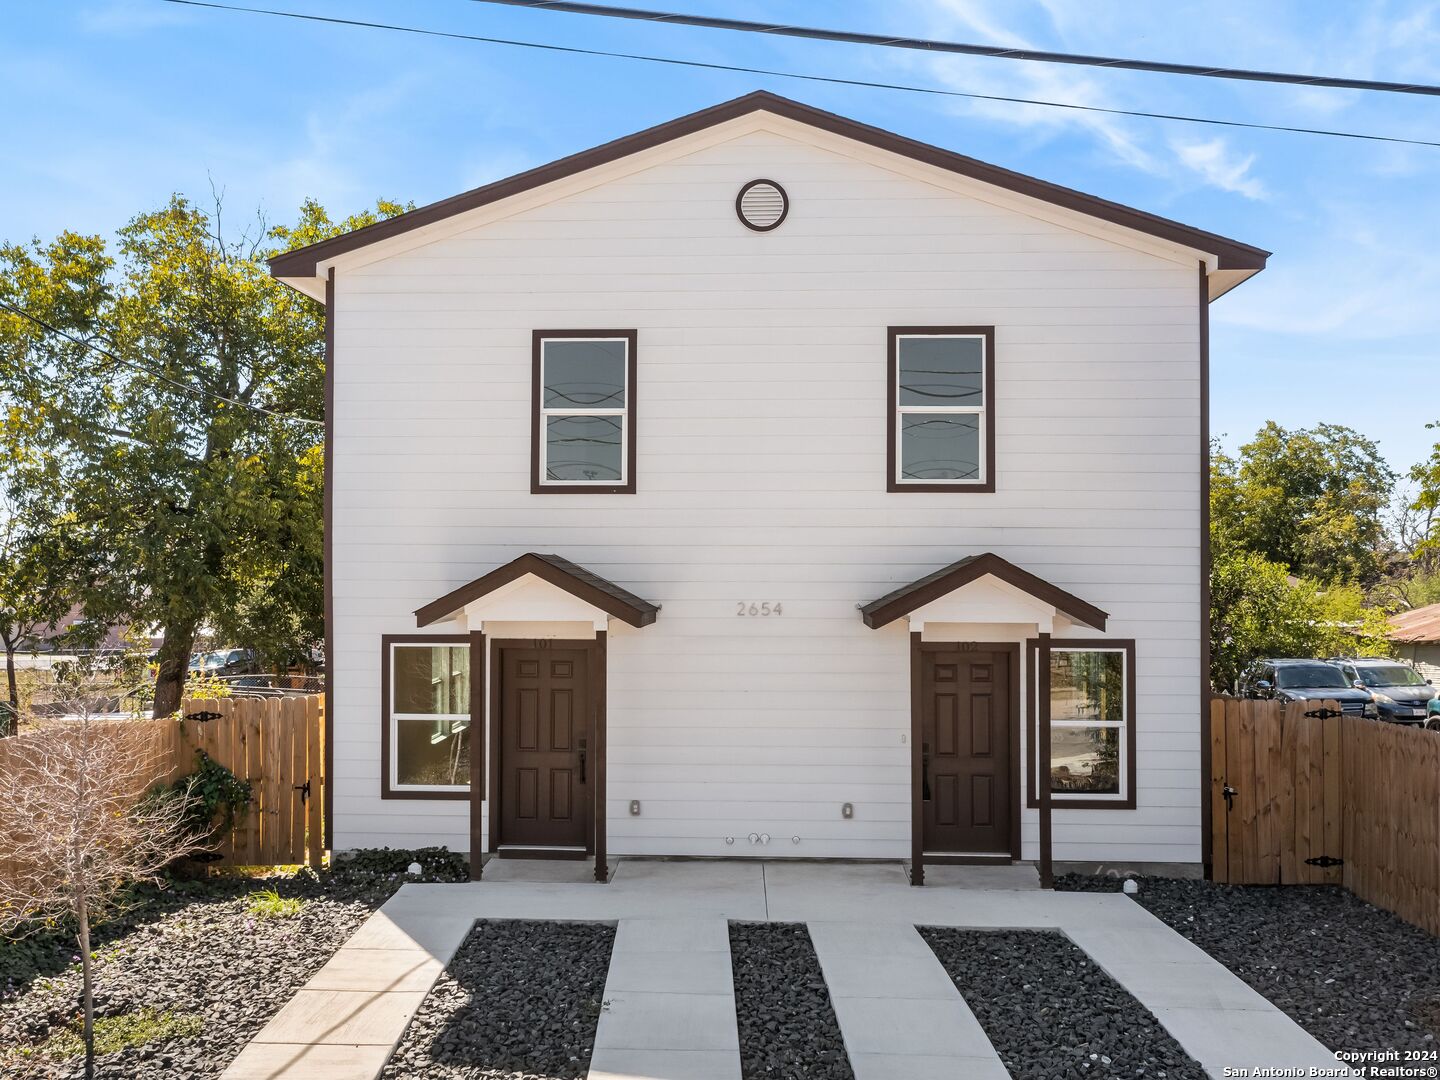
(759, 609)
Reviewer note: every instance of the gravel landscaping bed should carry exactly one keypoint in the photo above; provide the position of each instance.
(520, 1001)
(787, 1024)
(196, 969)
(1051, 1012)
(1353, 975)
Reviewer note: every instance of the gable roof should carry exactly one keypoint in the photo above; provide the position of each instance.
(562, 573)
(1420, 625)
(917, 594)
(1230, 255)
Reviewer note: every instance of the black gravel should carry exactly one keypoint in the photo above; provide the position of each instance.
(191, 949)
(520, 1001)
(787, 1024)
(1353, 975)
(1051, 1012)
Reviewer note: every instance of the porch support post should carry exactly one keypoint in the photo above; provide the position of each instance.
(602, 872)
(477, 752)
(1042, 759)
(917, 765)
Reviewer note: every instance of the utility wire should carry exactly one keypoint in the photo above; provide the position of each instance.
(456, 36)
(997, 51)
(194, 391)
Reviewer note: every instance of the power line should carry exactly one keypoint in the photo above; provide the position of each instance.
(936, 91)
(197, 391)
(997, 51)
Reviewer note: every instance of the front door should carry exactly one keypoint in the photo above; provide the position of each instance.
(544, 797)
(965, 750)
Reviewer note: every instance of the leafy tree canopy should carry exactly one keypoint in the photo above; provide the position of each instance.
(174, 412)
(1312, 501)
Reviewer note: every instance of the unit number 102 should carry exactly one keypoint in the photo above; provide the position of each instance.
(762, 610)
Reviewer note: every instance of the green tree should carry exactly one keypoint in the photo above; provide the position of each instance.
(1258, 608)
(1312, 501)
(46, 555)
(188, 436)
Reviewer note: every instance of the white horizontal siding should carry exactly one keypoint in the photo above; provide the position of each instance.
(761, 421)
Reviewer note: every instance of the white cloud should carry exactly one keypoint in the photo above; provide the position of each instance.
(1130, 142)
(1219, 166)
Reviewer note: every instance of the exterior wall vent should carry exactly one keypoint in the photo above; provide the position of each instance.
(762, 205)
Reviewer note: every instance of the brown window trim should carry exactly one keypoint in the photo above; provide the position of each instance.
(1060, 801)
(476, 731)
(538, 488)
(892, 458)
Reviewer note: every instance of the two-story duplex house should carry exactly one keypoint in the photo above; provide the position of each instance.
(769, 484)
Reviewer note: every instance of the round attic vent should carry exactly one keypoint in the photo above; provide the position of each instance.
(762, 205)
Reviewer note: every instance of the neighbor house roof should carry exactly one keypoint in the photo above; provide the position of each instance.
(562, 573)
(918, 593)
(1228, 255)
(1420, 625)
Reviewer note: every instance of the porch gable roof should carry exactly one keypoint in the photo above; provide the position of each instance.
(560, 572)
(918, 593)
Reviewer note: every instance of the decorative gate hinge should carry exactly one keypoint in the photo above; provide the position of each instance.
(204, 717)
(1324, 713)
(1325, 860)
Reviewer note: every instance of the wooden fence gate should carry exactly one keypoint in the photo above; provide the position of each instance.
(1302, 796)
(277, 745)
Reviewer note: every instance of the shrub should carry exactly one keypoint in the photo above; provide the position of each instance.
(269, 904)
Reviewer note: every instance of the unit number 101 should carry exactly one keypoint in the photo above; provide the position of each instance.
(761, 610)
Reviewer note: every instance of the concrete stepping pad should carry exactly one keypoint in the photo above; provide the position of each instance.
(669, 1007)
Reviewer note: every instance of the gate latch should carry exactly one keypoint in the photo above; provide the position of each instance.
(1325, 860)
(1229, 793)
(304, 790)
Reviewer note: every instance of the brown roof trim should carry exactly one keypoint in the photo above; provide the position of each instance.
(1230, 254)
(917, 594)
(563, 574)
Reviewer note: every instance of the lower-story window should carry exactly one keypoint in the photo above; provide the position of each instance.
(426, 708)
(1092, 723)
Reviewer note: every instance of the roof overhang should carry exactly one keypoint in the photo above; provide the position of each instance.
(928, 590)
(1228, 262)
(588, 588)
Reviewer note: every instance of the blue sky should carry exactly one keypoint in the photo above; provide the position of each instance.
(114, 104)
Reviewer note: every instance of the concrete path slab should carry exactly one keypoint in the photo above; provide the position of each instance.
(265, 1061)
(900, 1014)
(669, 1006)
(1019, 876)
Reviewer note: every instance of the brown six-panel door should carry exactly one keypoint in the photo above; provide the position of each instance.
(965, 751)
(544, 797)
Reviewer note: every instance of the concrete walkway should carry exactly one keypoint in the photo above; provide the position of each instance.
(669, 1007)
(345, 1021)
(899, 1012)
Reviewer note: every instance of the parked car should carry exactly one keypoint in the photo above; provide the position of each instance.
(224, 662)
(1400, 695)
(1292, 679)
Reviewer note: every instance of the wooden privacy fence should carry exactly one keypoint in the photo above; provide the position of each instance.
(277, 744)
(1298, 798)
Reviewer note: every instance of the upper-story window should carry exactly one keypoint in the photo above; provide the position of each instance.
(942, 408)
(583, 428)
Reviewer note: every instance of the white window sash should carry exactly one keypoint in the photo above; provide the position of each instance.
(1122, 764)
(949, 410)
(395, 717)
(623, 413)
